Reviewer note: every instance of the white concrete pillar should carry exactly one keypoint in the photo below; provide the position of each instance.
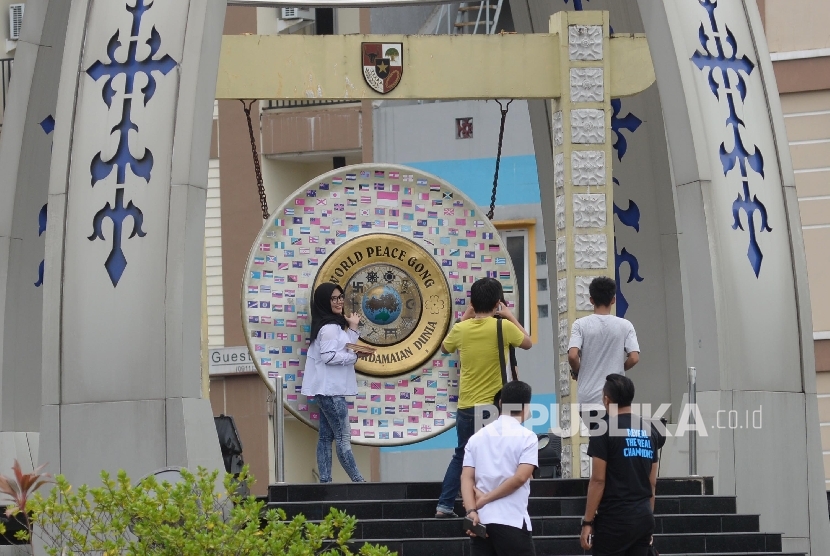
(25, 146)
(121, 349)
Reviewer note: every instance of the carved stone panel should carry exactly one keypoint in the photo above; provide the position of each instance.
(589, 210)
(564, 379)
(566, 458)
(560, 212)
(587, 126)
(561, 255)
(564, 417)
(558, 129)
(583, 296)
(588, 167)
(591, 251)
(587, 85)
(585, 42)
(559, 171)
(564, 335)
(562, 294)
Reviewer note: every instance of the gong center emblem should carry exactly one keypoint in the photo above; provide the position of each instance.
(401, 295)
(389, 300)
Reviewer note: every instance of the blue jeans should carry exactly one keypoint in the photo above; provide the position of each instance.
(465, 428)
(334, 426)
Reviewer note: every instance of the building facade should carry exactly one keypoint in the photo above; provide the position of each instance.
(458, 141)
(800, 49)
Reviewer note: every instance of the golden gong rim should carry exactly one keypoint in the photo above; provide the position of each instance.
(392, 272)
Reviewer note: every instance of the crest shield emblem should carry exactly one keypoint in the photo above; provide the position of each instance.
(382, 65)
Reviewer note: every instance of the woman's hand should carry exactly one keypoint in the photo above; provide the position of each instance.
(353, 320)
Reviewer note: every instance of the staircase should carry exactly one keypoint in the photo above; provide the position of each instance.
(690, 520)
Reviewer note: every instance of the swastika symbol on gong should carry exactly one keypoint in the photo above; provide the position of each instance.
(388, 301)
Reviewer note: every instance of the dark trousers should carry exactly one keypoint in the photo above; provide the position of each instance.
(622, 536)
(465, 427)
(504, 540)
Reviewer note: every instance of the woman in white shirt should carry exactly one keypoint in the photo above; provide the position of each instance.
(329, 377)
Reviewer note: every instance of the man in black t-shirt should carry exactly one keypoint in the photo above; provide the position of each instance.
(619, 514)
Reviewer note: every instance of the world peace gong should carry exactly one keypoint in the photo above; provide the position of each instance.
(401, 295)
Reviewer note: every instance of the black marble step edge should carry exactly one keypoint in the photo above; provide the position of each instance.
(708, 544)
(552, 526)
(311, 492)
(572, 506)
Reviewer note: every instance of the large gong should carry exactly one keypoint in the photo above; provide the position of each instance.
(405, 246)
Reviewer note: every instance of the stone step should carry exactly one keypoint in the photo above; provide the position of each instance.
(551, 526)
(424, 490)
(707, 544)
(562, 506)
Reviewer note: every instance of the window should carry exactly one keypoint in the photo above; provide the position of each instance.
(542, 284)
(324, 22)
(463, 128)
(516, 243)
(543, 311)
(541, 257)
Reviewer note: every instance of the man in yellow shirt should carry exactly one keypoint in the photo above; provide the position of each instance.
(476, 339)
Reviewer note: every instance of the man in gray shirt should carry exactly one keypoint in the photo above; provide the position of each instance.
(601, 344)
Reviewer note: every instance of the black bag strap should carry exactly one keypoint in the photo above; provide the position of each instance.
(501, 352)
(513, 362)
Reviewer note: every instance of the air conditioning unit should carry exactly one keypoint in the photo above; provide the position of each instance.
(297, 13)
(15, 20)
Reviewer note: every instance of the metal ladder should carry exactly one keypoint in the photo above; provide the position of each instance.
(470, 17)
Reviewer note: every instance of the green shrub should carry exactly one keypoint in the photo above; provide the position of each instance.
(188, 518)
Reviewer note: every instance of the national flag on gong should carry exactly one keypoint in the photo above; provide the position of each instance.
(387, 198)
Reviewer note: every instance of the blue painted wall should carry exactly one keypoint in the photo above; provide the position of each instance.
(518, 180)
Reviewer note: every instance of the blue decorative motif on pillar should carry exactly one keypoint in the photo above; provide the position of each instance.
(629, 217)
(753, 253)
(727, 74)
(117, 262)
(48, 126)
(41, 227)
(629, 122)
(577, 4)
(633, 274)
(141, 167)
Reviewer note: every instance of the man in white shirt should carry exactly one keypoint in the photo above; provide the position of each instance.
(601, 344)
(498, 463)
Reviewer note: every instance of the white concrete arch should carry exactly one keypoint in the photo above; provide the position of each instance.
(745, 322)
(133, 156)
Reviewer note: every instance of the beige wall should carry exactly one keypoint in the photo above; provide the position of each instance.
(807, 118)
(797, 24)
(320, 130)
(347, 21)
(240, 209)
